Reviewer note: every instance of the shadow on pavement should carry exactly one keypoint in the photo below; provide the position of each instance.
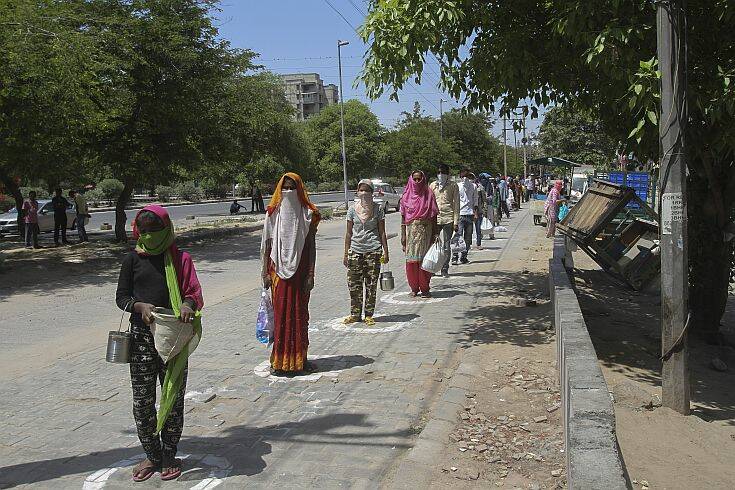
(55, 271)
(244, 447)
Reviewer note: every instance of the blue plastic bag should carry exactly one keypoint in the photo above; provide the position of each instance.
(264, 323)
(563, 211)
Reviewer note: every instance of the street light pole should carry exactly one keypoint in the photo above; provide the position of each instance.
(441, 119)
(505, 153)
(525, 157)
(342, 120)
(673, 184)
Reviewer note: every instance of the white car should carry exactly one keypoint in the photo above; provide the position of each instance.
(9, 220)
(385, 196)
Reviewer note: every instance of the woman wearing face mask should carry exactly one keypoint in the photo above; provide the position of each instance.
(418, 230)
(365, 245)
(288, 251)
(155, 274)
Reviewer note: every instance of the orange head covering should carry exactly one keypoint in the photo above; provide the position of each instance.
(302, 193)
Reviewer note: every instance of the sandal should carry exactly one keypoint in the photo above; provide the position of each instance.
(369, 321)
(350, 320)
(414, 294)
(144, 470)
(425, 295)
(171, 475)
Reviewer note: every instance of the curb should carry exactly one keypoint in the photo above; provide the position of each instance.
(415, 471)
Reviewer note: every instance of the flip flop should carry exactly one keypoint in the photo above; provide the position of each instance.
(146, 471)
(174, 474)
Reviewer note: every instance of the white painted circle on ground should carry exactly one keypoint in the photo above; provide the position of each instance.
(393, 299)
(218, 468)
(379, 327)
(335, 363)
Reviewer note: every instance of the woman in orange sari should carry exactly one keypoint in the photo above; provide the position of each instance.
(288, 250)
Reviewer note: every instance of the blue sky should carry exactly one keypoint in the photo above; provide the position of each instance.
(301, 36)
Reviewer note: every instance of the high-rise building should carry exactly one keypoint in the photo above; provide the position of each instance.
(308, 95)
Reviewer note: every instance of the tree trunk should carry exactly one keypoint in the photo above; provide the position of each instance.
(709, 260)
(120, 217)
(14, 190)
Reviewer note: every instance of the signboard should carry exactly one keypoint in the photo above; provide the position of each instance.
(671, 211)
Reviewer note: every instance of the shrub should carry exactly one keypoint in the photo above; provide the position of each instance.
(95, 197)
(326, 212)
(164, 193)
(187, 191)
(41, 193)
(329, 186)
(311, 186)
(213, 189)
(6, 202)
(109, 189)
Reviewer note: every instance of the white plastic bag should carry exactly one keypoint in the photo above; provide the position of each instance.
(264, 323)
(434, 259)
(486, 224)
(457, 244)
(169, 333)
(499, 229)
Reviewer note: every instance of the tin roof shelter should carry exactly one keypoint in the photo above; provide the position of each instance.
(624, 245)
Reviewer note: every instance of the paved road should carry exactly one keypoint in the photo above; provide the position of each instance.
(204, 209)
(66, 413)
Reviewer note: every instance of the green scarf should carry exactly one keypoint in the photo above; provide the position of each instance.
(156, 243)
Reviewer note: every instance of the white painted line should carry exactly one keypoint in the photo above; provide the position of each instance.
(219, 469)
(391, 299)
(379, 327)
(264, 371)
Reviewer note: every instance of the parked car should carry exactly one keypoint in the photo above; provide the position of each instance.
(385, 195)
(9, 220)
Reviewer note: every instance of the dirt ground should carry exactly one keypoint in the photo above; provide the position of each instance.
(510, 434)
(661, 449)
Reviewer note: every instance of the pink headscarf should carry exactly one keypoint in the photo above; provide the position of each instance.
(418, 201)
(185, 271)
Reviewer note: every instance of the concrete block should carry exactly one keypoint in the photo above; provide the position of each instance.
(454, 395)
(437, 430)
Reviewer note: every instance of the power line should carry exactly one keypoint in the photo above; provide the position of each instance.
(356, 32)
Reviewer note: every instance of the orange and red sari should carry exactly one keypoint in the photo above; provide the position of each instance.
(289, 240)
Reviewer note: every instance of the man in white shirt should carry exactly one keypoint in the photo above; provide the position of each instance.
(467, 212)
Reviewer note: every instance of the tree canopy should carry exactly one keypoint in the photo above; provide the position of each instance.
(576, 135)
(600, 55)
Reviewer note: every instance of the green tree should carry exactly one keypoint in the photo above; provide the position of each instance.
(362, 141)
(416, 144)
(577, 136)
(45, 112)
(600, 55)
(475, 146)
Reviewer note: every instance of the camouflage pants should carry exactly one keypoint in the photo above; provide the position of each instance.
(363, 271)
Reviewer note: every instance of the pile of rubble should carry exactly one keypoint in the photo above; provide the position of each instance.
(510, 433)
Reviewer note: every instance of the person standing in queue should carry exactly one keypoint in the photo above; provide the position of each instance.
(481, 209)
(366, 245)
(288, 251)
(158, 274)
(467, 213)
(419, 231)
(446, 193)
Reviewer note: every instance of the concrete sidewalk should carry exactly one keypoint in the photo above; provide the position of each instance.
(350, 424)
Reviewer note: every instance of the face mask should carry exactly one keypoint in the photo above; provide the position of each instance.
(442, 178)
(365, 197)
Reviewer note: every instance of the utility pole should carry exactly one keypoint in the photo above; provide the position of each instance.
(342, 121)
(672, 49)
(441, 119)
(505, 153)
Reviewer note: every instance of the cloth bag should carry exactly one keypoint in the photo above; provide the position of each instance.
(457, 244)
(264, 322)
(434, 259)
(171, 334)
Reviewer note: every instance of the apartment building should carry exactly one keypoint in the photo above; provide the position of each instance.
(308, 94)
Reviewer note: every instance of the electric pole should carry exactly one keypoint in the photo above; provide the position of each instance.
(525, 157)
(342, 121)
(672, 50)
